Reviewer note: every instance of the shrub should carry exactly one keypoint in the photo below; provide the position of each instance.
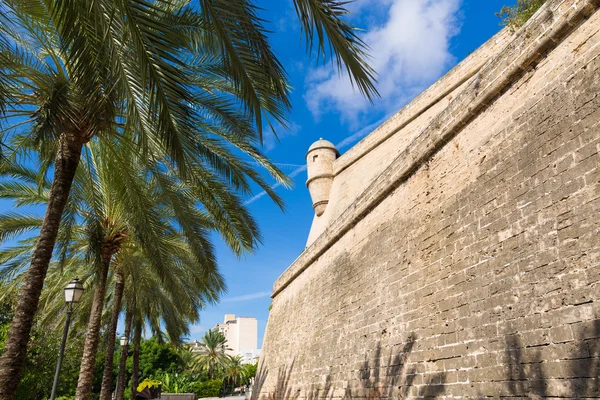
(208, 389)
(249, 373)
(515, 16)
(175, 383)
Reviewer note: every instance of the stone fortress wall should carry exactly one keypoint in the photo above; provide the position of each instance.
(458, 255)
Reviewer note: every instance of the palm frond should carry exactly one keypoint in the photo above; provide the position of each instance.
(13, 224)
(241, 38)
(323, 25)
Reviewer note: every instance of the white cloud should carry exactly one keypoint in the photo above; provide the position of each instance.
(246, 297)
(288, 21)
(196, 329)
(409, 42)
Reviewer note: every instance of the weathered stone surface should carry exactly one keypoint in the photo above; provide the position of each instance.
(180, 396)
(469, 265)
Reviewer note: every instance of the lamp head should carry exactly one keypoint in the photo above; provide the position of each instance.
(73, 291)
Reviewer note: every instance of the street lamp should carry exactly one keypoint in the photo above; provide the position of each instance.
(73, 292)
(123, 341)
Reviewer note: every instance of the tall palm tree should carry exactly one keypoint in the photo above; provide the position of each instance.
(212, 352)
(70, 103)
(173, 307)
(125, 209)
(158, 308)
(119, 287)
(135, 362)
(75, 70)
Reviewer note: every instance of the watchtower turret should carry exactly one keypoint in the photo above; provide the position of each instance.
(319, 161)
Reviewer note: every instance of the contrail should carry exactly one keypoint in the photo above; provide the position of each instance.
(282, 166)
(275, 186)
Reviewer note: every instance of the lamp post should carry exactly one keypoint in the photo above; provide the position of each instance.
(73, 292)
(123, 341)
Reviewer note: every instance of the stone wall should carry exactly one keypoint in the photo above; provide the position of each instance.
(468, 267)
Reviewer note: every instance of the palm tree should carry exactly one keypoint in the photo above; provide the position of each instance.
(66, 102)
(170, 308)
(187, 357)
(172, 304)
(135, 365)
(234, 369)
(212, 354)
(173, 307)
(74, 71)
(115, 208)
(119, 287)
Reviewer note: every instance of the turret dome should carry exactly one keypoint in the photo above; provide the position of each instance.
(323, 144)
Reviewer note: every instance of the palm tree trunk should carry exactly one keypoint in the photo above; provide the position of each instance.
(124, 354)
(88, 360)
(15, 347)
(135, 369)
(105, 392)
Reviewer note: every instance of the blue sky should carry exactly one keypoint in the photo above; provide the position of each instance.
(413, 43)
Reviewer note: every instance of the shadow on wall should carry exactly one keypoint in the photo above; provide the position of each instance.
(529, 375)
(282, 389)
(394, 378)
(531, 372)
(377, 379)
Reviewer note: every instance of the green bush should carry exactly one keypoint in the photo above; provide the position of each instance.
(208, 388)
(249, 373)
(155, 356)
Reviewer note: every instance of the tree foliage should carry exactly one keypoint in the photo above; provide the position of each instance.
(6, 313)
(41, 356)
(234, 370)
(155, 357)
(40, 364)
(249, 372)
(516, 15)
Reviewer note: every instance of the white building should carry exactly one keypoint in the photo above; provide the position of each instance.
(242, 336)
